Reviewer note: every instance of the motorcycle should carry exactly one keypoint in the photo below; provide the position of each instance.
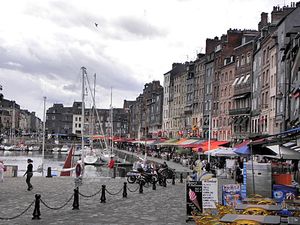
(132, 176)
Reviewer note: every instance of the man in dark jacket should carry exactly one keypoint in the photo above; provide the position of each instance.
(29, 173)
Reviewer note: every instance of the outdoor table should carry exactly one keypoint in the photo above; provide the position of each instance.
(266, 207)
(229, 218)
(293, 220)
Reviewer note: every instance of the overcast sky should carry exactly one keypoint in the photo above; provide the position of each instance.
(43, 44)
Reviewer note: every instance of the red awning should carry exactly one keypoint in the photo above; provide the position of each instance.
(213, 145)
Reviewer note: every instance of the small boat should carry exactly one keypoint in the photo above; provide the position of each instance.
(90, 156)
(90, 159)
(65, 149)
(55, 149)
(106, 154)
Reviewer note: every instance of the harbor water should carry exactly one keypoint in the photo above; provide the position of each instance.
(55, 160)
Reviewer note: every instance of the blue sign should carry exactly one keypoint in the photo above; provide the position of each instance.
(244, 185)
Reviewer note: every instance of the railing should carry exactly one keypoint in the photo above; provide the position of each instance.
(239, 111)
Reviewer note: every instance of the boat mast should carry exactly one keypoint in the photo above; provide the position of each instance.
(83, 69)
(93, 109)
(111, 121)
(43, 143)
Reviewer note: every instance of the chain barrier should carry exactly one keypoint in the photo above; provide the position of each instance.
(14, 217)
(133, 190)
(89, 196)
(114, 193)
(124, 188)
(56, 208)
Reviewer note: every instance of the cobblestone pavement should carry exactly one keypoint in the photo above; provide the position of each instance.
(165, 205)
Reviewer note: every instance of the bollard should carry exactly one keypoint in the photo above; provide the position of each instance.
(76, 199)
(103, 198)
(173, 179)
(49, 172)
(36, 212)
(153, 184)
(164, 182)
(141, 187)
(125, 190)
(114, 172)
(181, 178)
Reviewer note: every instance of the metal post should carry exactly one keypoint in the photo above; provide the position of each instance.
(209, 130)
(141, 187)
(125, 190)
(82, 116)
(49, 172)
(76, 199)
(103, 198)
(114, 172)
(44, 128)
(181, 178)
(36, 212)
(253, 184)
(165, 182)
(153, 184)
(173, 179)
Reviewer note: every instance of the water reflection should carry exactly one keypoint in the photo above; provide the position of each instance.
(53, 160)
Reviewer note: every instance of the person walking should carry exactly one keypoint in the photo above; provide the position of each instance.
(2, 169)
(29, 173)
(111, 165)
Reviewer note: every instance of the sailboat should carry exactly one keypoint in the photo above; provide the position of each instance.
(106, 154)
(91, 157)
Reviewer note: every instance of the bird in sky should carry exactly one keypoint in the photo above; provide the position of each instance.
(96, 24)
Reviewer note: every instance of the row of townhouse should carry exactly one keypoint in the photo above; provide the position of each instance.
(15, 121)
(246, 84)
(67, 121)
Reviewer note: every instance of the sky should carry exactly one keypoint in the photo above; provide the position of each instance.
(44, 44)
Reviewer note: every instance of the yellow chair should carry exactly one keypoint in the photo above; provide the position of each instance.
(255, 211)
(246, 222)
(266, 202)
(255, 196)
(296, 214)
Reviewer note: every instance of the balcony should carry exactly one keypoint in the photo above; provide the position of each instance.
(239, 111)
(242, 89)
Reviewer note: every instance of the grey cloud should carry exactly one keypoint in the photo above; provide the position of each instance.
(139, 28)
(67, 66)
(64, 14)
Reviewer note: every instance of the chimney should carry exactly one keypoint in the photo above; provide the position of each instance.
(263, 20)
(279, 13)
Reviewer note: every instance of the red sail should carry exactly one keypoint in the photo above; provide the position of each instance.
(68, 163)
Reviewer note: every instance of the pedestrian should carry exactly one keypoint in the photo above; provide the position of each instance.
(111, 165)
(2, 169)
(29, 173)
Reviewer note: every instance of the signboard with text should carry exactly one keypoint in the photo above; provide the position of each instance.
(209, 193)
(193, 198)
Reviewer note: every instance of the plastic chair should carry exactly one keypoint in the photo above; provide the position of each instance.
(256, 196)
(255, 211)
(266, 202)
